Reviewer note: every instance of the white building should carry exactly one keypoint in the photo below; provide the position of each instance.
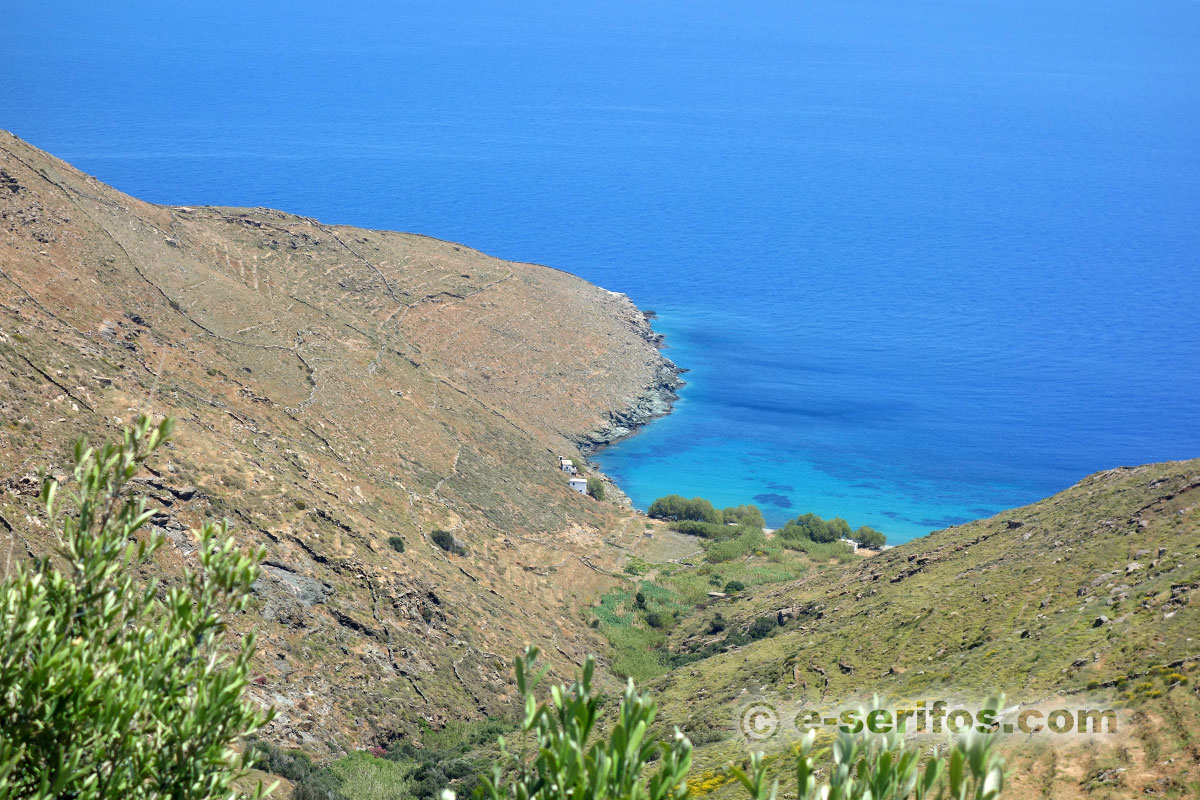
(578, 484)
(566, 465)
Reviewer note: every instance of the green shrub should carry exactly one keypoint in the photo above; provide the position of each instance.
(364, 776)
(713, 530)
(733, 587)
(309, 782)
(675, 508)
(885, 767)
(658, 620)
(869, 537)
(728, 549)
(446, 755)
(812, 527)
(637, 566)
(447, 541)
(762, 627)
(744, 515)
(396, 543)
(595, 488)
(819, 551)
(111, 687)
(571, 762)
(705, 530)
(636, 652)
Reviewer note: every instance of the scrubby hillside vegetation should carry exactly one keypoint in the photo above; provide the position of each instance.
(1089, 596)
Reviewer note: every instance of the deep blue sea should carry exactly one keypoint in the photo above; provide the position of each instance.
(925, 260)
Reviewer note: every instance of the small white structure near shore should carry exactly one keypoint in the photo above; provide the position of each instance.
(566, 465)
(578, 484)
(853, 544)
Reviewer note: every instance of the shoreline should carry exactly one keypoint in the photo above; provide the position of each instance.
(656, 400)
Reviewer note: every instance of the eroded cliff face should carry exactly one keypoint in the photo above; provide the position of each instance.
(335, 387)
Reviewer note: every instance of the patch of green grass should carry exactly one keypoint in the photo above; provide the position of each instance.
(615, 609)
(634, 643)
(638, 618)
(636, 566)
(453, 756)
(745, 543)
(363, 776)
(821, 551)
(635, 651)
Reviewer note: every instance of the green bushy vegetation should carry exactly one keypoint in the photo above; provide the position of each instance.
(885, 767)
(567, 751)
(363, 775)
(703, 530)
(637, 618)
(744, 515)
(446, 541)
(396, 543)
(747, 541)
(811, 528)
(110, 685)
(675, 508)
(572, 759)
(455, 756)
(595, 487)
(309, 781)
(815, 529)
(698, 517)
(820, 551)
(868, 537)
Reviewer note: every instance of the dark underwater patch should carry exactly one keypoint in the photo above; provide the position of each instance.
(776, 500)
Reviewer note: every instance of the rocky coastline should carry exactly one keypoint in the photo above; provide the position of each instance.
(656, 399)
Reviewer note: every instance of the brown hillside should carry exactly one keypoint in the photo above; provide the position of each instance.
(335, 387)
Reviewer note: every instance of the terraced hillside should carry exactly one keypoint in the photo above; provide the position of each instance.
(342, 394)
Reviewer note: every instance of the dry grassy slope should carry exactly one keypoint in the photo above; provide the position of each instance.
(1010, 603)
(335, 387)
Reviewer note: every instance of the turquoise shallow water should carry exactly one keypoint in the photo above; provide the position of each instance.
(731, 458)
(925, 260)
